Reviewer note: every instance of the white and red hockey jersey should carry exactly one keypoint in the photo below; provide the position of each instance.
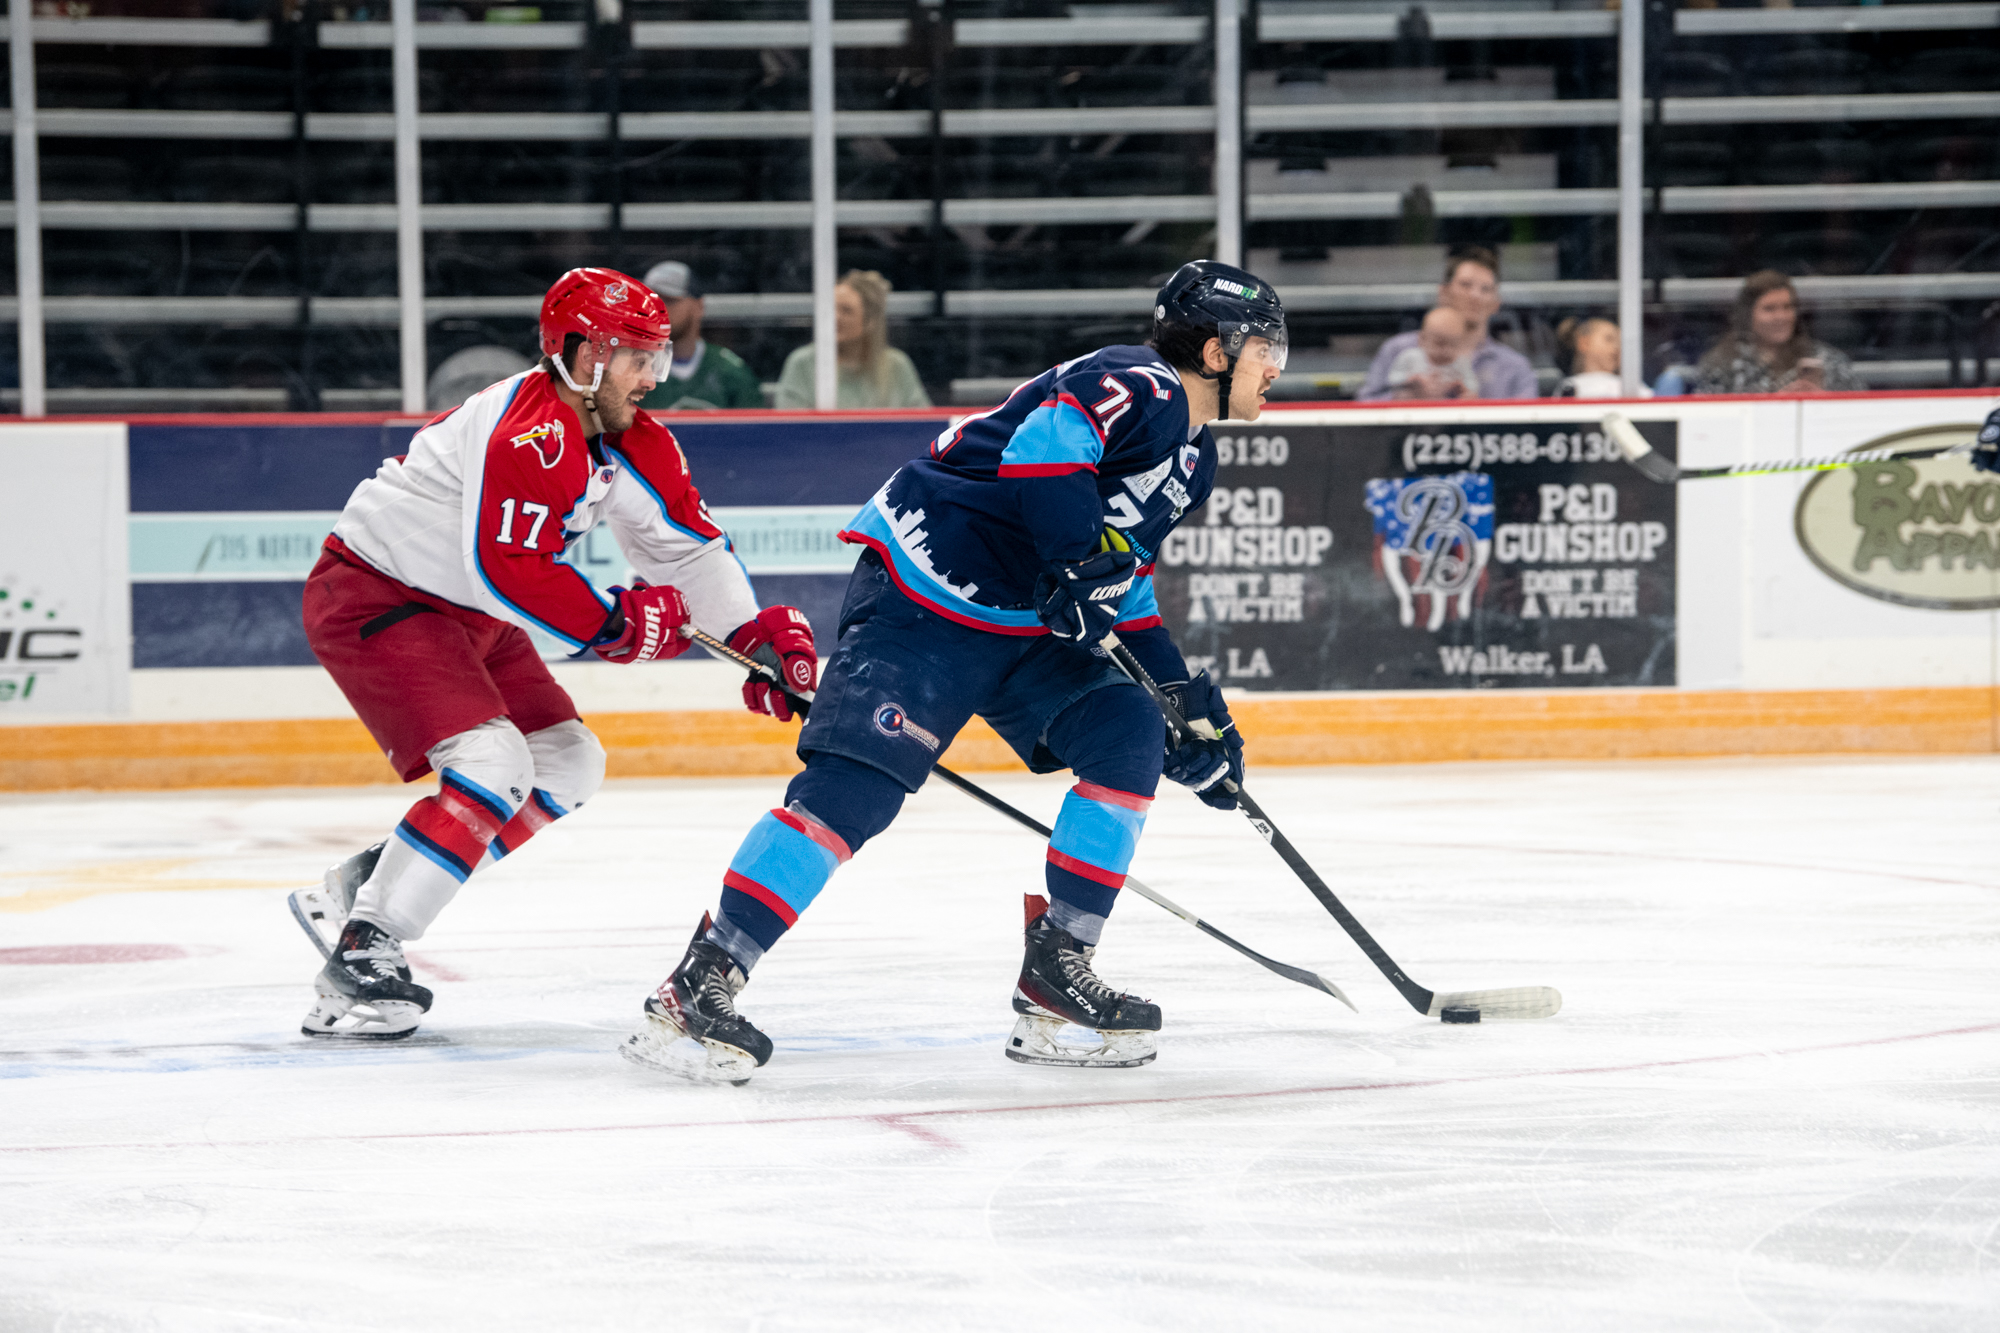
(491, 493)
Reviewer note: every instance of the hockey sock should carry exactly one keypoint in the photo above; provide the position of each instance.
(538, 812)
(434, 849)
(1090, 850)
(784, 862)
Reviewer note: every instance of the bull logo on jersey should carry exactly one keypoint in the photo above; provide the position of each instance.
(1433, 537)
(546, 440)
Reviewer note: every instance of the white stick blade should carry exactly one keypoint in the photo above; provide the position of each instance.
(1626, 436)
(1501, 1006)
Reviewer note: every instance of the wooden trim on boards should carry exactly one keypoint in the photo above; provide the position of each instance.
(1333, 729)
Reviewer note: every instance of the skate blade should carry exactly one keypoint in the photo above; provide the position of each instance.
(661, 1046)
(1050, 1041)
(334, 1016)
(320, 916)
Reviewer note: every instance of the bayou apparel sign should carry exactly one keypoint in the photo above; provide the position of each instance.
(1396, 557)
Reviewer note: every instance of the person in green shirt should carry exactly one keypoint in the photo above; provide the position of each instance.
(701, 377)
(872, 373)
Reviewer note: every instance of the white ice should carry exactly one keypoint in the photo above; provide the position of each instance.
(1772, 1100)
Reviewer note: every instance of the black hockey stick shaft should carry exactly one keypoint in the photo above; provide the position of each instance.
(1419, 998)
(1637, 451)
(1285, 970)
(803, 705)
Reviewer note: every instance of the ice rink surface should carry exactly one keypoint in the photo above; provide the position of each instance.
(1772, 1100)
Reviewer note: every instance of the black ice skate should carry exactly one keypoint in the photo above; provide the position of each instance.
(365, 991)
(691, 1028)
(1068, 1016)
(322, 909)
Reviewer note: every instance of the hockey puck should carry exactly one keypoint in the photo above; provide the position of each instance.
(1459, 1013)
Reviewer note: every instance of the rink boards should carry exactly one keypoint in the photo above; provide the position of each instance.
(1373, 585)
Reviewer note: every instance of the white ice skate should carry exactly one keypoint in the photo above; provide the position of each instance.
(322, 909)
(662, 1045)
(335, 1014)
(365, 991)
(1042, 1038)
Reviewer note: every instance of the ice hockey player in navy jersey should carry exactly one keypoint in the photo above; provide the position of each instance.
(419, 607)
(992, 570)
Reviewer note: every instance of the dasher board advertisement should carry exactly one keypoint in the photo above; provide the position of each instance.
(65, 602)
(1521, 555)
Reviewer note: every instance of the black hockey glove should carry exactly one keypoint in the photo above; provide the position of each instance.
(1078, 600)
(1986, 450)
(1200, 763)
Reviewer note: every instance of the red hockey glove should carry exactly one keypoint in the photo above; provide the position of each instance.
(651, 622)
(788, 634)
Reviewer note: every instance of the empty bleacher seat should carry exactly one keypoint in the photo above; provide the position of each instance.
(689, 179)
(519, 88)
(1003, 176)
(233, 180)
(84, 178)
(1693, 162)
(1944, 157)
(370, 179)
(1698, 255)
(367, 88)
(78, 85)
(1966, 68)
(1819, 251)
(1139, 85)
(1815, 162)
(1808, 71)
(1694, 74)
(720, 89)
(227, 88)
(104, 270)
(1133, 173)
(999, 86)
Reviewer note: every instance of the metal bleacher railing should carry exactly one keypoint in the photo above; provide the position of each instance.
(1239, 112)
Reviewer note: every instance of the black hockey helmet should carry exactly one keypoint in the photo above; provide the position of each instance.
(1208, 295)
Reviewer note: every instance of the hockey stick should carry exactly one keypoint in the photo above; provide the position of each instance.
(1451, 1006)
(1641, 455)
(802, 705)
(1285, 970)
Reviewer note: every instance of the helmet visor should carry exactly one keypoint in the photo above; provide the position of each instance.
(628, 360)
(1263, 347)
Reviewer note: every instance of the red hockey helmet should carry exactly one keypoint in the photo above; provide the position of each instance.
(611, 311)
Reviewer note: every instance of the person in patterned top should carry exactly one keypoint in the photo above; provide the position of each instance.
(1768, 348)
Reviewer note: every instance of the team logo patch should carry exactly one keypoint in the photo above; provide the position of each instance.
(546, 440)
(614, 294)
(1433, 537)
(891, 720)
(1190, 458)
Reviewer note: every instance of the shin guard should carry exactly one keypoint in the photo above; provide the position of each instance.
(784, 862)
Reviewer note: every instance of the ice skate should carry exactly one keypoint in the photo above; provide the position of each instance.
(322, 910)
(365, 992)
(1068, 1016)
(691, 1028)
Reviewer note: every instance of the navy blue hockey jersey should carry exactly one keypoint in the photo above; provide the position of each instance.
(1101, 441)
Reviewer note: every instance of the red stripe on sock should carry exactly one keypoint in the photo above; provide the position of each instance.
(1090, 872)
(1090, 791)
(818, 832)
(444, 827)
(732, 880)
(474, 816)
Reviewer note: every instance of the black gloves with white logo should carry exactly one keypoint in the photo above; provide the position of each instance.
(1211, 767)
(1078, 599)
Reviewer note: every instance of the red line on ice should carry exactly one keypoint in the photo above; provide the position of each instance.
(900, 1119)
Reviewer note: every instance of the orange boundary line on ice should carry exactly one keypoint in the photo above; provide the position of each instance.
(899, 1119)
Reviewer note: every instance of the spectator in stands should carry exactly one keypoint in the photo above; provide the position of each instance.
(1587, 354)
(700, 378)
(872, 373)
(1768, 348)
(1440, 365)
(1471, 286)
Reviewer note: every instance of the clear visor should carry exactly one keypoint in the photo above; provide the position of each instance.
(1264, 349)
(626, 361)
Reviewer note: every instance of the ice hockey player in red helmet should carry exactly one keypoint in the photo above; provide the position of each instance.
(420, 605)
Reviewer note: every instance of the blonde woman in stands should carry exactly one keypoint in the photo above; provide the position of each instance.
(872, 373)
(1768, 348)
